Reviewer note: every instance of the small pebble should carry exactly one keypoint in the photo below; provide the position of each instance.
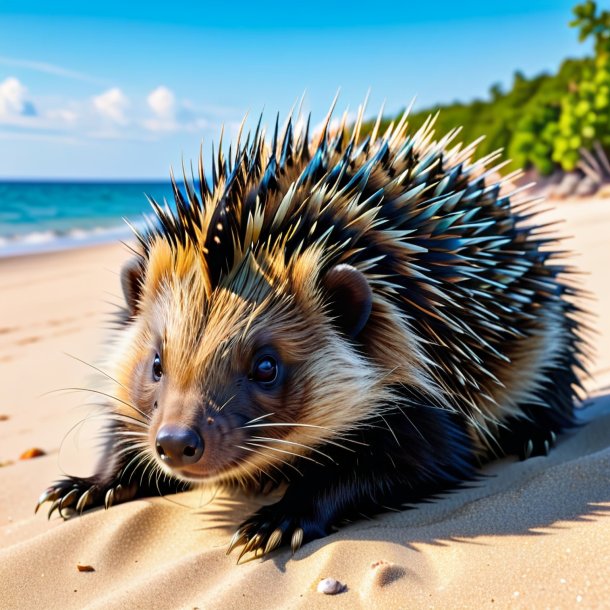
(84, 568)
(32, 453)
(330, 586)
(4, 417)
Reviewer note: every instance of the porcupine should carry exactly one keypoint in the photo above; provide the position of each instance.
(361, 321)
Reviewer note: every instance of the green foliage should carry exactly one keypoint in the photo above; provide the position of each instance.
(591, 24)
(543, 121)
(585, 110)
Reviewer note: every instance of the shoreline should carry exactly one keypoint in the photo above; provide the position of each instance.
(101, 237)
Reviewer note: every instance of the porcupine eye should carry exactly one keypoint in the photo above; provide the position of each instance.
(157, 371)
(265, 370)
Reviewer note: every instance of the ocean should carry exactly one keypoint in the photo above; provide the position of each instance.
(47, 216)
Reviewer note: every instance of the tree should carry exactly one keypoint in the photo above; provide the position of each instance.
(585, 110)
(542, 121)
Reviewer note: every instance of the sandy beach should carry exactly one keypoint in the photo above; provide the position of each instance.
(531, 534)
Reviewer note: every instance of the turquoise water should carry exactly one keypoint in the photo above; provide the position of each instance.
(45, 216)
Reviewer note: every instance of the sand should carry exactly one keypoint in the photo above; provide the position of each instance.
(532, 534)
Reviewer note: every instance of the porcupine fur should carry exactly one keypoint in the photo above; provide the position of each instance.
(420, 317)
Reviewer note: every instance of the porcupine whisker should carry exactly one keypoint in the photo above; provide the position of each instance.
(268, 459)
(185, 486)
(241, 472)
(297, 455)
(79, 423)
(284, 441)
(133, 433)
(157, 479)
(128, 445)
(142, 464)
(131, 438)
(150, 465)
(162, 474)
(237, 476)
(279, 459)
(263, 472)
(114, 416)
(249, 474)
(258, 418)
(212, 498)
(335, 443)
(129, 449)
(127, 404)
(95, 368)
(128, 419)
(294, 424)
(154, 475)
(226, 403)
(155, 466)
(138, 459)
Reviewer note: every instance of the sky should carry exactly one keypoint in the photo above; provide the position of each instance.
(128, 89)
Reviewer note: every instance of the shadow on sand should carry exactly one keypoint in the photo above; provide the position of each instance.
(533, 498)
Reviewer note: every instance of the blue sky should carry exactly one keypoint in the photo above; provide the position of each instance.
(126, 89)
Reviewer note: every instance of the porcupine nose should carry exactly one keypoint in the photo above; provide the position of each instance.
(179, 445)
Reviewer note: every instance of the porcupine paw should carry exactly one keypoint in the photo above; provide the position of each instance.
(273, 526)
(78, 495)
(538, 444)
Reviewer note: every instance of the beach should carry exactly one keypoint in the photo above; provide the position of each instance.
(529, 534)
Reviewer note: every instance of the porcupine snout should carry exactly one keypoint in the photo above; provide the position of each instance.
(179, 445)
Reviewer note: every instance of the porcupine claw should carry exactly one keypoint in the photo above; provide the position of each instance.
(109, 499)
(54, 506)
(297, 540)
(252, 544)
(238, 537)
(83, 494)
(49, 495)
(274, 540)
(242, 553)
(68, 500)
(83, 501)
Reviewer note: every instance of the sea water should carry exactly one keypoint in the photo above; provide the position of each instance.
(47, 216)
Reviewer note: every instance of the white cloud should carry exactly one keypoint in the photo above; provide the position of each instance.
(112, 105)
(162, 102)
(171, 115)
(109, 115)
(14, 100)
(19, 115)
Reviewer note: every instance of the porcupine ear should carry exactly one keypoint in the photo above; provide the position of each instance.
(350, 297)
(131, 282)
